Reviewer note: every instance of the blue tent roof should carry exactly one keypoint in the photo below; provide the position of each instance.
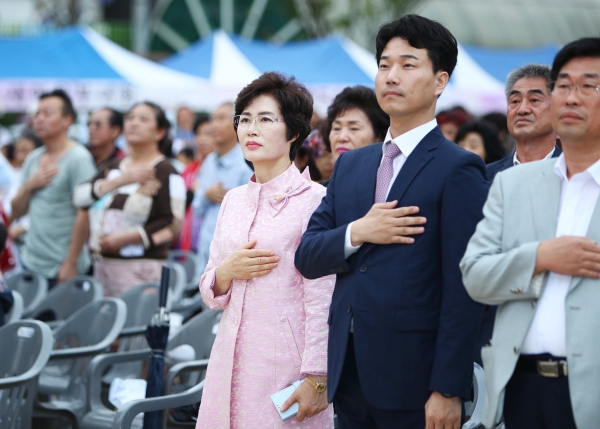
(62, 55)
(319, 61)
(195, 59)
(500, 62)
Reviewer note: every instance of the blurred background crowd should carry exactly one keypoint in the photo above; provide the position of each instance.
(148, 81)
(353, 120)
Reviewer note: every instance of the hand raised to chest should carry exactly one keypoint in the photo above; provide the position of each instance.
(244, 263)
(42, 176)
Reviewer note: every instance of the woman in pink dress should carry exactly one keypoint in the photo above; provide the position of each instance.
(274, 328)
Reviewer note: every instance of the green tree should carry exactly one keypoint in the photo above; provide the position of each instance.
(358, 19)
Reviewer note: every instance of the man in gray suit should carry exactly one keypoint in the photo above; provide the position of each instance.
(535, 256)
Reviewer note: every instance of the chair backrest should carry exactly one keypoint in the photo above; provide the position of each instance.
(67, 298)
(142, 302)
(177, 282)
(88, 332)
(32, 287)
(98, 323)
(16, 311)
(189, 260)
(30, 346)
(474, 409)
(199, 332)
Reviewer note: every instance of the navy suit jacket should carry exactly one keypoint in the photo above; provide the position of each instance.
(414, 324)
(507, 162)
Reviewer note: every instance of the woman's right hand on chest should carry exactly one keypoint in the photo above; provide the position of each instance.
(243, 264)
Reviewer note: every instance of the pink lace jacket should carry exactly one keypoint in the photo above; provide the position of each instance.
(274, 328)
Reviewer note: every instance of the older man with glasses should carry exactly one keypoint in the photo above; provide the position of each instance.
(104, 127)
(535, 255)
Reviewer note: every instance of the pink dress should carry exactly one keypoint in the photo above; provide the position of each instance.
(274, 328)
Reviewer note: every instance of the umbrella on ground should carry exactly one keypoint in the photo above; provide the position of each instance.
(157, 334)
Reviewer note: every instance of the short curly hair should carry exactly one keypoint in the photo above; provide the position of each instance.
(494, 151)
(294, 99)
(356, 97)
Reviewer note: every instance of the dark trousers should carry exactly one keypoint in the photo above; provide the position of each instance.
(353, 410)
(536, 402)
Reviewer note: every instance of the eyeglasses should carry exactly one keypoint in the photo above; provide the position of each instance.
(563, 88)
(261, 121)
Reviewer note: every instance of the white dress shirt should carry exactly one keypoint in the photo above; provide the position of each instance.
(578, 199)
(406, 142)
(517, 162)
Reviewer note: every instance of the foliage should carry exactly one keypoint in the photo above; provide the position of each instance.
(359, 19)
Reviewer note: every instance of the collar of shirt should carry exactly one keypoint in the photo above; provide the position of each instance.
(408, 141)
(517, 162)
(560, 168)
(230, 158)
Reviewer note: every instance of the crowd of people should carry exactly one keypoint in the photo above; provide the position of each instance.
(375, 272)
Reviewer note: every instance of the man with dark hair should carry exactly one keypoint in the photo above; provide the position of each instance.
(402, 327)
(535, 255)
(54, 243)
(105, 126)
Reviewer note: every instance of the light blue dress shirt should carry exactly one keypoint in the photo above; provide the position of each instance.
(232, 171)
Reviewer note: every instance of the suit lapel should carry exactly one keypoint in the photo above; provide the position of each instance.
(367, 178)
(593, 233)
(545, 198)
(557, 152)
(419, 157)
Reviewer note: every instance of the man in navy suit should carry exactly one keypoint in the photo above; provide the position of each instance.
(529, 121)
(393, 226)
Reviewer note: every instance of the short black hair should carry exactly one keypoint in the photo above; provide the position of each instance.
(294, 99)
(187, 152)
(9, 150)
(359, 97)
(162, 123)
(494, 150)
(67, 109)
(421, 33)
(586, 47)
(498, 119)
(115, 119)
(202, 118)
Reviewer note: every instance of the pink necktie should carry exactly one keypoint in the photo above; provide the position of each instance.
(386, 171)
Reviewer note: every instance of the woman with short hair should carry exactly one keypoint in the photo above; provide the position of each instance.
(274, 328)
(354, 120)
(481, 138)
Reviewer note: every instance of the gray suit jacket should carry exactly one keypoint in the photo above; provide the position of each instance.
(521, 211)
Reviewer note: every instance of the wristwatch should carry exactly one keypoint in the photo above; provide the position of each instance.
(319, 387)
(447, 395)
